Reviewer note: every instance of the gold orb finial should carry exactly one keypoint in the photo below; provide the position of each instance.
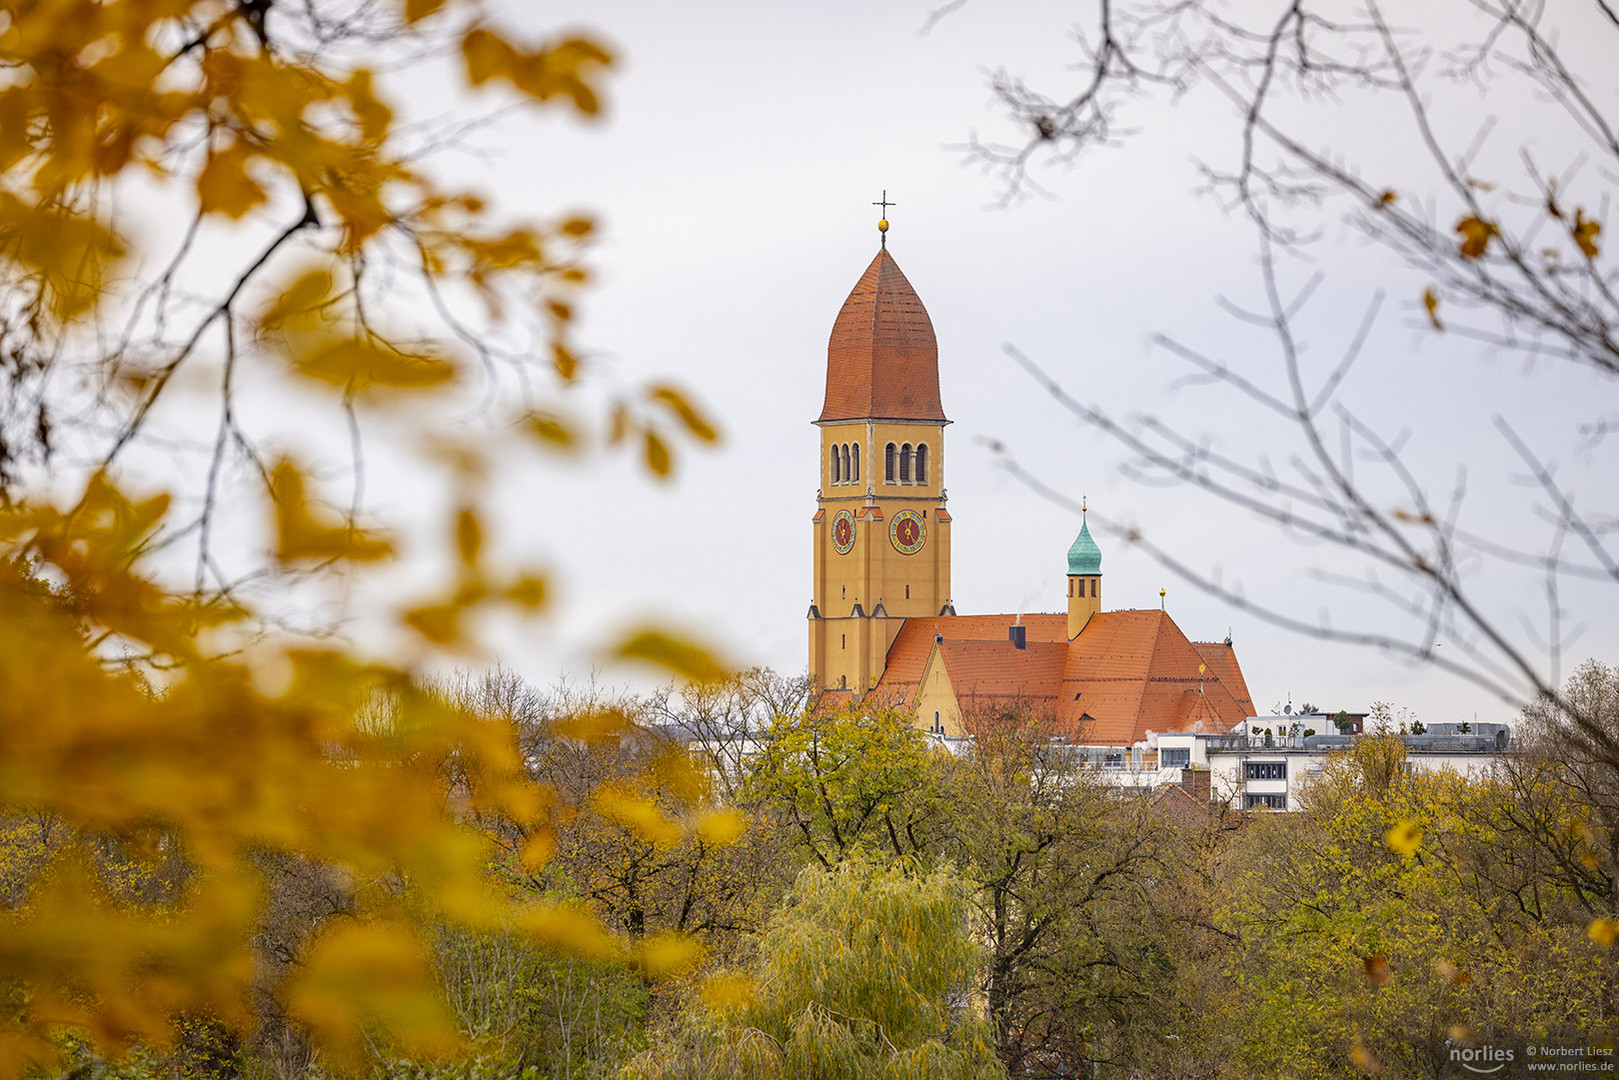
(882, 225)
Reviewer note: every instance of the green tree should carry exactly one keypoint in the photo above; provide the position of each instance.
(1066, 882)
(861, 778)
(1371, 928)
(866, 972)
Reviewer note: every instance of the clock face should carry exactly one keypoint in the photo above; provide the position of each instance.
(907, 532)
(843, 532)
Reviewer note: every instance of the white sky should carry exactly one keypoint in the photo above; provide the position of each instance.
(734, 177)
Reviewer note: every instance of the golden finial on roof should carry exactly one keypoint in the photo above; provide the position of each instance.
(1161, 594)
(882, 224)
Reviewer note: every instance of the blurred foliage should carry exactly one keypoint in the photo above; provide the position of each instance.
(212, 829)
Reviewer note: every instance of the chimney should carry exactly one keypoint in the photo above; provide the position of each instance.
(1017, 635)
(1196, 783)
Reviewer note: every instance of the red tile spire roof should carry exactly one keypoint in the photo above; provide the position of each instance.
(883, 359)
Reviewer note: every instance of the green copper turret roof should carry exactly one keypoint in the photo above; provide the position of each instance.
(1084, 557)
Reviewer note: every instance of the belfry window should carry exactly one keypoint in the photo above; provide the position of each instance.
(847, 475)
(888, 462)
(922, 463)
(905, 464)
(837, 472)
(854, 474)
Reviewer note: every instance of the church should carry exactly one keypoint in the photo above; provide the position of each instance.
(881, 623)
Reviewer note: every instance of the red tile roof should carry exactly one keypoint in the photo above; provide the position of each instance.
(1127, 673)
(883, 359)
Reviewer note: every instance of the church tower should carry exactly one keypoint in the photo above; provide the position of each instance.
(1084, 579)
(882, 534)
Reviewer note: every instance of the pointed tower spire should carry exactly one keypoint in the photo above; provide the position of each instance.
(1084, 577)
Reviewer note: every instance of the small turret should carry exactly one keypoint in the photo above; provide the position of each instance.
(1084, 579)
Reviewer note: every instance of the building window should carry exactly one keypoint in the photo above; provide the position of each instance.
(938, 725)
(1266, 770)
(848, 473)
(854, 471)
(836, 471)
(922, 464)
(1070, 586)
(1266, 802)
(843, 643)
(888, 462)
(1176, 757)
(1114, 759)
(905, 464)
(1096, 583)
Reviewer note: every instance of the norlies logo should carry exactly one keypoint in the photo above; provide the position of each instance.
(1483, 1060)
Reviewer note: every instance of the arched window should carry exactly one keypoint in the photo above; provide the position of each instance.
(888, 463)
(905, 464)
(855, 472)
(847, 475)
(837, 471)
(922, 463)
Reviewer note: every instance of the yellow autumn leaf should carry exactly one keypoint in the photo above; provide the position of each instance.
(1476, 235)
(667, 954)
(720, 826)
(70, 254)
(681, 406)
(566, 363)
(684, 658)
(1603, 931)
(438, 623)
(1377, 970)
(1430, 301)
(1586, 233)
(301, 306)
(1403, 838)
(468, 536)
(637, 813)
(551, 431)
(527, 592)
(657, 455)
(486, 56)
(725, 991)
(595, 727)
(373, 116)
(224, 185)
(567, 929)
(676, 772)
(301, 535)
(538, 848)
(358, 364)
(360, 977)
(1362, 1058)
(417, 10)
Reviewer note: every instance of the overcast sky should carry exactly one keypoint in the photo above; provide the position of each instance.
(734, 176)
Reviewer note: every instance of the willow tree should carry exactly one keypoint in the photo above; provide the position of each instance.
(865, 972)
(223, 247)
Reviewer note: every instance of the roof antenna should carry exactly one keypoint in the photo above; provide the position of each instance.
(882, 225)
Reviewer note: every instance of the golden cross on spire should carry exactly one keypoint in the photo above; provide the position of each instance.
(882, 226)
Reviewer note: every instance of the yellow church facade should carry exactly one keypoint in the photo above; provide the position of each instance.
(881, 620)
